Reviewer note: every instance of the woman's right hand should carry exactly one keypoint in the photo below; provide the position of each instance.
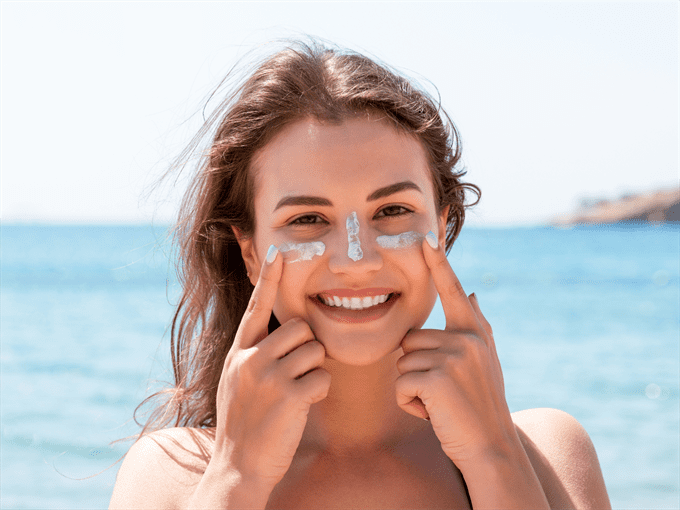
(268, 383)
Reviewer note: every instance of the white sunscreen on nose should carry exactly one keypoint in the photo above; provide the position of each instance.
(403, 240)
(354, 251)
(302, 251)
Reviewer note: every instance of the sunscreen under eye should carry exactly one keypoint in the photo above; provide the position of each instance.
(301, 251)
(354, 250)
(403, 240)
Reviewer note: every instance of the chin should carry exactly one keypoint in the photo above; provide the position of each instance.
(359, 349)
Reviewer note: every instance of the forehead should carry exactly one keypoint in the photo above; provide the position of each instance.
(348, 160)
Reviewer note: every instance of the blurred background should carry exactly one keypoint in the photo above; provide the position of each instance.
(568, 114)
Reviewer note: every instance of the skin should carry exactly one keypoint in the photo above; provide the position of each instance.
(341, 163)
(355, 391)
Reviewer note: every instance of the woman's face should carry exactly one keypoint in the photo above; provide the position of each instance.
(346, 231)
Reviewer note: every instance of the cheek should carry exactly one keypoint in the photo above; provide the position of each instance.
(298, 265)
(405, 251)
(421, 293)
(410, 262)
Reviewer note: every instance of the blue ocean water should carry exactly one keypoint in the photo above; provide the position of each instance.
(586, 320)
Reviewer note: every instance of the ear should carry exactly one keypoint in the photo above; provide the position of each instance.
(249, 254)
(442, 225)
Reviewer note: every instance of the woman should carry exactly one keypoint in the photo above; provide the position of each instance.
(314, 243)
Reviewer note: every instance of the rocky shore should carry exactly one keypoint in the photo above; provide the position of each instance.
(654, 207)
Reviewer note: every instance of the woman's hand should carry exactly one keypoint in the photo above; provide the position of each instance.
(266, 389)
(453, 377)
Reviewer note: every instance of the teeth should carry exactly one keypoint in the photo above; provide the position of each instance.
(355, 303)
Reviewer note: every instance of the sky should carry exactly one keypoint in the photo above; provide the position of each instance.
(555, 101)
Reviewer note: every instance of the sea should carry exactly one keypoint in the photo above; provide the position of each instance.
(585, 319)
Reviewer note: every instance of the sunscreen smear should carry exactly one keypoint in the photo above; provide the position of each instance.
(354, 250)
(403, 240)
(302, 251)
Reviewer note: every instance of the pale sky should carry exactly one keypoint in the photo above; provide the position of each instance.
(554, 101)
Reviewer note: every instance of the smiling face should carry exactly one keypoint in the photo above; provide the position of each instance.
(361, 191)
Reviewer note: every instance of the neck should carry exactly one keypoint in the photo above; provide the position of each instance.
(360, 415)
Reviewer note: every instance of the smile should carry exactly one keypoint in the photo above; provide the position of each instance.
(354, 303)
(355, 309)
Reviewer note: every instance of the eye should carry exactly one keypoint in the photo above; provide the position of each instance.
(391, 211)
(395, 209)
(303, 220)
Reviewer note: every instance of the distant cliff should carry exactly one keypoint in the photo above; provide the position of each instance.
(654, 207)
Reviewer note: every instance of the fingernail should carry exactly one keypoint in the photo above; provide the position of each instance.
(271, 254)
(432, 240)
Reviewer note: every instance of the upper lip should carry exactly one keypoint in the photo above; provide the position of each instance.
(349, 293)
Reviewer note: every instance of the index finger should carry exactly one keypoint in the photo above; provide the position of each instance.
(457, 308)
(253, 327)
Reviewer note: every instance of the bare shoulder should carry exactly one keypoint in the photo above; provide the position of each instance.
(563, 457)
(162, 469)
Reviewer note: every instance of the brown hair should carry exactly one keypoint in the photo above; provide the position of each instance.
(307, 79)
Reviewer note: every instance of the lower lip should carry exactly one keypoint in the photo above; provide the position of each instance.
(341, 314)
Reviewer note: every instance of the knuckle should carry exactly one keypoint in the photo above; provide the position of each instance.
(468, 336)
(269, 381)
(298, 326)
(477, 349)
(438, 377)
(318, 350)
(400, 363)
(304, 328)
(409, 340)
(442, 263)
(316, 385)
(324, 380)
(248, 362)
(236, 359)
(451, 361)
(322, 386)
(401, 383)
(255, 305)
(456, 291)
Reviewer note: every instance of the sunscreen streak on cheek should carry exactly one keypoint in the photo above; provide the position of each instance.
(302, 251)
(403, 240)
(354, 250)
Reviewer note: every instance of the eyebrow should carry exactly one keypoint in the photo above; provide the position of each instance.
(320, 201)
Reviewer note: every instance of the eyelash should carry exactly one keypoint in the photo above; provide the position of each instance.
(296, 224)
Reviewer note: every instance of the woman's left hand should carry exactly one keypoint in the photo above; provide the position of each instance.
(454, 376)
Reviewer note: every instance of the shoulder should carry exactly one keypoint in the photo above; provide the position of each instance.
(162, 469)
(563, 457)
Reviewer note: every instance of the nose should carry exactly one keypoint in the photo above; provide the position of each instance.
(354, 249)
